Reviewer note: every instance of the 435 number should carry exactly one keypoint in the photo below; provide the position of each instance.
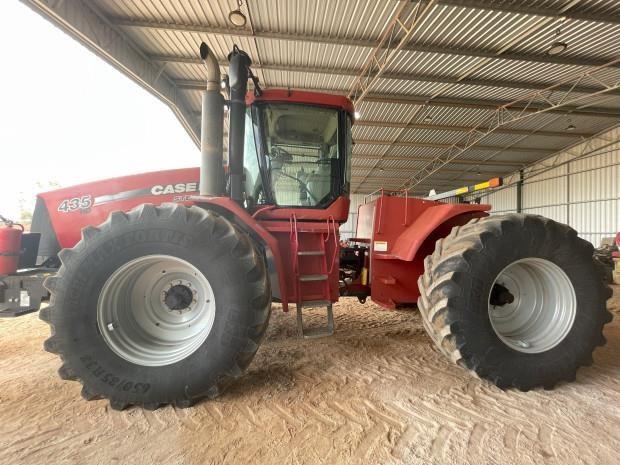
(76, 203)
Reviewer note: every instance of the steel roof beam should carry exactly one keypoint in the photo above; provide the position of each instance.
(408, 77)
(530, 10)
(476, 104)
(492, 105)
(396, 35)
(366, 43)
(436, 145)
(492, 162)
(82, 21)
(413, 170)
(390, 181)
(446, 127)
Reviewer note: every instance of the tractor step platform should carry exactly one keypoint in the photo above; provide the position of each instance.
(315, 303)
(306, 253)
(15, 312)
(312, 277)
(314, 333)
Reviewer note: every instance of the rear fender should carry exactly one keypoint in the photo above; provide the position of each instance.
(231, 210)
(433, 223)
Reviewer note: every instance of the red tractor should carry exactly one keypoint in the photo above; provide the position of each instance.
(168, 304)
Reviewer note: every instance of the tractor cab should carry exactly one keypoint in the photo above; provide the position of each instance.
(297, 150)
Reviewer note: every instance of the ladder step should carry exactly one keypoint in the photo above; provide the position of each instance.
(312, 277)
(310, 252)
(315, 303)
(317, 333)
(313, 333)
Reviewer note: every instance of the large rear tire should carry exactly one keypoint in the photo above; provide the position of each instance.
(516, 298)
(162, 305)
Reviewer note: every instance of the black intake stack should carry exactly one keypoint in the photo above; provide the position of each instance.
(238, 74)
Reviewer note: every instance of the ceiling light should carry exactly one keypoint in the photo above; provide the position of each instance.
(381, 170)
(428, 118)
(571, 127)
(557, 48)
(236, 17)
(357, 115)
(224, 82)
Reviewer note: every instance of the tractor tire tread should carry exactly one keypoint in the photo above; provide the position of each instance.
(234, 241)
(446, 276)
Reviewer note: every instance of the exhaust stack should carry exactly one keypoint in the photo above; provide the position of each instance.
(212, 128)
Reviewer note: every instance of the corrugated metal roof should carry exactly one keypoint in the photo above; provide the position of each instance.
(464, 58)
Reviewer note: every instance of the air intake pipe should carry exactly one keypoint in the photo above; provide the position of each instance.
(212, 128)
(238, 73)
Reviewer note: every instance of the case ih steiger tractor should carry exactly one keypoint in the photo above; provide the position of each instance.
(167, 304)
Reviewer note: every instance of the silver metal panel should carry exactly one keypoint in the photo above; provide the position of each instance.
(347, 230)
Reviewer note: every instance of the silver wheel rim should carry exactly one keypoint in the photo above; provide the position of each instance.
(156, 310)
(539, 310)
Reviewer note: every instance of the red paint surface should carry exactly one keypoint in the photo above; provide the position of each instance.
(409, 227)
(302, 96)
(10, 245)
(68, 225)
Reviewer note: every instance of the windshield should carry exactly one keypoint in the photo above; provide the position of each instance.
(295, 158)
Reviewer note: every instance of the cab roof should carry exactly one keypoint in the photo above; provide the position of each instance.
(302, 96)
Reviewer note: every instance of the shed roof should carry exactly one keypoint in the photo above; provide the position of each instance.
(449, 91)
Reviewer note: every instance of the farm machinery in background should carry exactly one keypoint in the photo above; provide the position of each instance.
(167, 302)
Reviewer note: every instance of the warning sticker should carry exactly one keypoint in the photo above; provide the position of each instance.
(380, 246)
(24, 299)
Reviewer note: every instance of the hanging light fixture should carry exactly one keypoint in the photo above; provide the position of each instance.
(236, 17)
(356, 115)
(571, 127)
(557, 46)
(428, 118)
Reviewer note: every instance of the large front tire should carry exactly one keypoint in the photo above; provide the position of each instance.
(162, 305)
(515, 298)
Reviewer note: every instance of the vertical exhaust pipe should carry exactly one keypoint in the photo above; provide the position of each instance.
(238, 73)
(212, 128)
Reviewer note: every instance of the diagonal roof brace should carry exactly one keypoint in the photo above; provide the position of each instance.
(506, 114)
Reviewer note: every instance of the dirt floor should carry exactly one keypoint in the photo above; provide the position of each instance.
(376, 392)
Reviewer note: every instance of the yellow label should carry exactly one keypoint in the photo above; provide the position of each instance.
(482, 185)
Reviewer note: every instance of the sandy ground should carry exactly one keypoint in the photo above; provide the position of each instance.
(377, 392)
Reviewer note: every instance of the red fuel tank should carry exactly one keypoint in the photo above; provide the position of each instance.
(10, 243)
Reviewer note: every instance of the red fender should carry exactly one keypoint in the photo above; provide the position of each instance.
(411, 239)
(247, 222)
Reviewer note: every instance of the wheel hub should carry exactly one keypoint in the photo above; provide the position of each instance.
(179, 297)
(156, 310)
(532, 305)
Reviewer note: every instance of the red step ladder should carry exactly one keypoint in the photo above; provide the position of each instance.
(303, 259)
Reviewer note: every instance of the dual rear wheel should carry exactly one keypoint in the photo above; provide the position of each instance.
(515, 298)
